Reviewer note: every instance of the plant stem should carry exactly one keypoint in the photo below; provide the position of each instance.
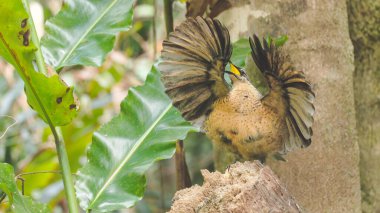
(168, 9)
(60, 145)
(39, 172)
(39, 57)
(161, 163)
(154, 30)
(66, 172)
(2, 196)
(183, 177)
(162, 188)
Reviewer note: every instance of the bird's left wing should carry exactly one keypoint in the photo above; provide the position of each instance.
(290, 94)
(192, 66)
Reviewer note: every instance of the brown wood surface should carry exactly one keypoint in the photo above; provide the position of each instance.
(244, 187)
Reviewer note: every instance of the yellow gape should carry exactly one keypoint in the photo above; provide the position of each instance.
(235, 70)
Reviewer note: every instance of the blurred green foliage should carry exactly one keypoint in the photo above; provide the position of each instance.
(19, 202)
(29, 147)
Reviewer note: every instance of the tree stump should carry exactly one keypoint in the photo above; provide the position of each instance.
(244, 187)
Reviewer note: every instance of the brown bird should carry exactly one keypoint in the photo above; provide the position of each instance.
(236, 116)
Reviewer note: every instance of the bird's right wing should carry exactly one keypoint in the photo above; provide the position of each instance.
(290, 94)
(192, 66)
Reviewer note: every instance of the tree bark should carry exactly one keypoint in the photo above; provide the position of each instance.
(364, 16)
(244, 187)
(325, 176)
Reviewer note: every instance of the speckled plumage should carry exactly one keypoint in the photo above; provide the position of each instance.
(241, 122)
(237, 117)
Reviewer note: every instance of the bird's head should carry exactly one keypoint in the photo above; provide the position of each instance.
(237, 74)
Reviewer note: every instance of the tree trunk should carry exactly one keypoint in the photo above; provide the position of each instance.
(325, 176)
(364, 16)
(244, 187)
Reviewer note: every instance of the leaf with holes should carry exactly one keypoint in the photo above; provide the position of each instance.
(122, 150)
(49, 96)
(83, 32)
(18, 202)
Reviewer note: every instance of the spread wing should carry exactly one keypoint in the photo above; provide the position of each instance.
(193, 62)
(290, 93)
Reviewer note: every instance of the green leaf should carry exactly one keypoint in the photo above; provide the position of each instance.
(123, 149)
(18, 202)
(49, 96)
(83, 32)
(268, 40)
(241, 50)
(278, 42)
(6, 122)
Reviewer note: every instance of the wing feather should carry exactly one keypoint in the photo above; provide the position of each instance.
(289, 88)
(192, 67)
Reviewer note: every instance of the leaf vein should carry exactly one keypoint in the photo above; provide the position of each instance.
(130, 154)
(68, 54)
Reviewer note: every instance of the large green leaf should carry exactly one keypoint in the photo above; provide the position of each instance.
(18, 202)
(49, 96)
(83, 32)
(122, 150)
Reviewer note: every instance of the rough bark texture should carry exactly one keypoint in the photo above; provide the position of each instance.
(244, 187)
(325, 176)
(364, 19)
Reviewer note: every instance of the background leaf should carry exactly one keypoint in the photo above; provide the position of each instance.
(47, 95)
(19, 203)
(241, 50)
(83, 32)
(6, 122)
(123, 149)
(278, 42)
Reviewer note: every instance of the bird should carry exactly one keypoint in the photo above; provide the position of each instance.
(235, 114)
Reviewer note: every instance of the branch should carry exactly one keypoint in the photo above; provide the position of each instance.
(168, 9)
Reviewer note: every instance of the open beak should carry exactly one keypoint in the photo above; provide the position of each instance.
(235, 70)
(234, 73)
